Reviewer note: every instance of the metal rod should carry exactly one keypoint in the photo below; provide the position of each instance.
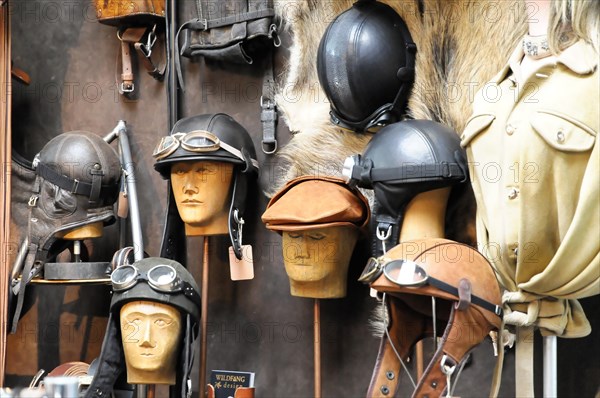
(550, 367)
(204, 319)
(171, 71)
(141, 390)
(134, 211)
(317, 347)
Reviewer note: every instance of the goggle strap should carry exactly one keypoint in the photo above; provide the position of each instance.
(497, 310)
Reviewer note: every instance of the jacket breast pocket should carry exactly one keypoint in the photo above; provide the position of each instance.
(563, 132)
(475, 125)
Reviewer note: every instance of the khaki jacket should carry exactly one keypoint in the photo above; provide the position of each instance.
(534, 162)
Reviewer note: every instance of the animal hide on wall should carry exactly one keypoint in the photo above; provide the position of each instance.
(460, 46)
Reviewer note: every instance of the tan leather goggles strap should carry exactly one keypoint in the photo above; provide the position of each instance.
(406, 327)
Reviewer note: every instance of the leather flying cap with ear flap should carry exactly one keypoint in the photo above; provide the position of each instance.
(77, 183)
(311, 202)
(366, 66)
(111, 363)
(466, 284)
(212, 137)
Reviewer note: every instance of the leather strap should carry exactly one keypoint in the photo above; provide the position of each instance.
(205, 24)
(268, 113)
(384, 382)
(26, 276)
(127, 85)
(73, 185)
(409, 172)
(77, 271)
(143, 40)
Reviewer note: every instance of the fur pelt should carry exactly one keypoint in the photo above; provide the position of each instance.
(460, 46)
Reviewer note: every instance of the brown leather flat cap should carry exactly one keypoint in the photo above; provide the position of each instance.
(310, 202)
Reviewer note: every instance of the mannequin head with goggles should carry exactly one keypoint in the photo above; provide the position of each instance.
(202, 191)
(208, 160)
(155, 299)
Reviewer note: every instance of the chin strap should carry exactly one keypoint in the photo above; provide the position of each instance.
(404, 329)
(236, 212)
(395, 346)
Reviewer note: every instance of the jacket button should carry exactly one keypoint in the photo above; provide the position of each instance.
(513, 193)
(510, 129)
(560, 136)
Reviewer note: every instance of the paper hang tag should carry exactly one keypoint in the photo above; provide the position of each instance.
(243, 269)
(373, 293)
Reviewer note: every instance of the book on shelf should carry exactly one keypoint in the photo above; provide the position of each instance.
(225, 382)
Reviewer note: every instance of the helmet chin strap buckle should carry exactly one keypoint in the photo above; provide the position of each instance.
(240, 222)
(384, 235)
(448, 366)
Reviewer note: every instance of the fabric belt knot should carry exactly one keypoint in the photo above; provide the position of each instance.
(524, 311)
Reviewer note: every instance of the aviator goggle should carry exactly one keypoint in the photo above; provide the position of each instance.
(195, 141)
(409, 274)
(161, 278)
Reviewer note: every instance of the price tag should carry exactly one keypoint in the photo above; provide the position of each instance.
(242, 269)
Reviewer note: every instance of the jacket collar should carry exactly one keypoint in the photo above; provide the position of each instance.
(580, 58)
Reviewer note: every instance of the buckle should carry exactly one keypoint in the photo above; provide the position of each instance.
(446, 368)
(75, 186)
(269, 144)
(266, 103)
(498, 311)
(127, 88)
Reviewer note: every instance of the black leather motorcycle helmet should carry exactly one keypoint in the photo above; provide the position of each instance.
(366, 66)
(401, 161)
(225, 141)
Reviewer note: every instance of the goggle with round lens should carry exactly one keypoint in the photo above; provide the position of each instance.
(195, 141)
(161, 278)
(409, 274)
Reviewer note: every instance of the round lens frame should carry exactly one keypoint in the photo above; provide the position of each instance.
(406, 269)
(187, 145)
(372, 270)
(124, 277)
(156, 278)
(167, 145)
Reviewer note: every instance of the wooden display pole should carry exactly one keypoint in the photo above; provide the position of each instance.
(317, 347)
(204, 318)
(5, 176)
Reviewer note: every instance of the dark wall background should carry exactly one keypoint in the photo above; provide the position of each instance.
(253, 325)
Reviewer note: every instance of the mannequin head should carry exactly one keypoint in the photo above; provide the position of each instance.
(151, 336)
(90, 231)
(319, 219)
(424, 216)
(316, 260)
(202, 192)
